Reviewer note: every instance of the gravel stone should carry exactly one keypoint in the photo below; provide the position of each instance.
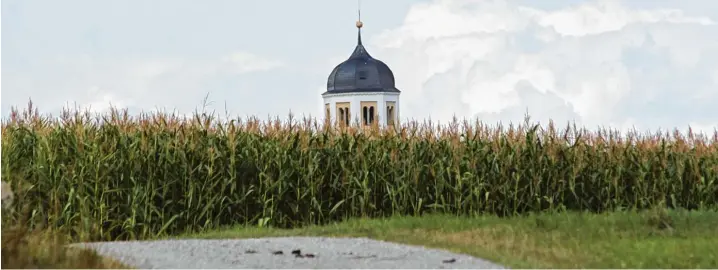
(282, 253)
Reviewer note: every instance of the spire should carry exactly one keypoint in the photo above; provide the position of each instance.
(359, 51)
(359, 22)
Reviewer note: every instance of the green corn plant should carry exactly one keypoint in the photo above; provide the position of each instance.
(116, 176)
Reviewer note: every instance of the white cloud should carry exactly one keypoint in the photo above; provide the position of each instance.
(101, 101)
(136, 83)
(610, 15)
(598, 63)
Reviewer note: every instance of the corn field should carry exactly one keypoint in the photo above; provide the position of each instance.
(113, 176)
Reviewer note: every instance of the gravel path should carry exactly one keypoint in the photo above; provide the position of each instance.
(282, 253)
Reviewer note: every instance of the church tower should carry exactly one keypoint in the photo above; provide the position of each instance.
(362, 88)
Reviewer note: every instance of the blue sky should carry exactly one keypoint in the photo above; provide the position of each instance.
(639, 63)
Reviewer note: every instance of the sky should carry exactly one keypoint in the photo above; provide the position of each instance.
(638, 64)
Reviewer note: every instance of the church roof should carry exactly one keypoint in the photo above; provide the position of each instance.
(361, 73)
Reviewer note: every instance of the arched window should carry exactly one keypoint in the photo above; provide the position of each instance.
(371, 115)
(341, 115)
(390, 113)
(346, 117)
(343, 112)
(365, 115)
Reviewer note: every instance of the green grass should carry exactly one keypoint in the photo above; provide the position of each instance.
(43, 249)
(651, 239)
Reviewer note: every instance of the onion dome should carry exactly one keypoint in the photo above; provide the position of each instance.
(361, 73)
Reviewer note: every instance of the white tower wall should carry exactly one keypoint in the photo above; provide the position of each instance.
(355, 100)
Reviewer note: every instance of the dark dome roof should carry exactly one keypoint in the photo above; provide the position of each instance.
(361, 73)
